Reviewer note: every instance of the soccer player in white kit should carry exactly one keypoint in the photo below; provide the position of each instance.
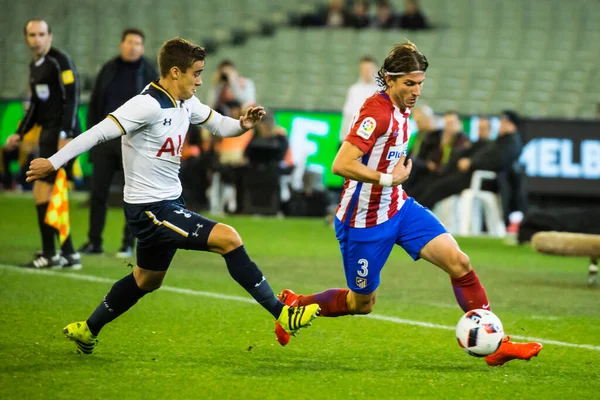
(153, 126)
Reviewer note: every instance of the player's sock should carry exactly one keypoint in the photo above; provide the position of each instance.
(332, 302)
(46, 230)
(67, 247)
(122, 296)
(469, 292)
(246, 273)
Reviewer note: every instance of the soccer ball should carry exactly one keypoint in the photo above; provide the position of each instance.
(479, 332)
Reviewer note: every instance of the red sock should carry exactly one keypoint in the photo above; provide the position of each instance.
(332, 302)
(469, 292)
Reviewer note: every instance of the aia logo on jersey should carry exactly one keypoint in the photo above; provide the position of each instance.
(169, 147)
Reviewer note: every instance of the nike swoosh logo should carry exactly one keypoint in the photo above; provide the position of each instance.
(486, 307)
(261, 281)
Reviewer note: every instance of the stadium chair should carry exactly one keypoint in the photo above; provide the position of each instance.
(474, 202)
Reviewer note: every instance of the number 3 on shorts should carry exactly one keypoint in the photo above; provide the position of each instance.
(364, 267)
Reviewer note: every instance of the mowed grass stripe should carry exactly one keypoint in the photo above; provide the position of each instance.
(401, 321)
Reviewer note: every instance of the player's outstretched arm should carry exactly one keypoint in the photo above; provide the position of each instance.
(225, 127)
(347, 164)
(103, 131)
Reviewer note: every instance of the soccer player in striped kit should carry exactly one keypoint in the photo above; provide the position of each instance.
(375, 214)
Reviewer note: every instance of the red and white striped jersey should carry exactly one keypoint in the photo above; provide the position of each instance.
(381, 131)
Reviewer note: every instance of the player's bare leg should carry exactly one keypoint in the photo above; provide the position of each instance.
(444, 252)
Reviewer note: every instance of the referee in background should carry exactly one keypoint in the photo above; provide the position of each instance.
(54, 85)
(120, 79)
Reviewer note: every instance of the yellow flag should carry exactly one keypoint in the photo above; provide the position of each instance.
(57, 215)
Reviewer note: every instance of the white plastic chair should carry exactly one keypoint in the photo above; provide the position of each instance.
(475, 203)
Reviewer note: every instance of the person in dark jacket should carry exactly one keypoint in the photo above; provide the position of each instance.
(412, 18)
(435, 153)
(54, 85)
(119, 80)
(498, 156)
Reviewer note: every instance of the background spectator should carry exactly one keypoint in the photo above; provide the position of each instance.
(359, 92)
(426, 124)
(413, 18)
(498, 156)
(229, 86)
(360, 14)
(120, 79)
(384, 16)
(437, 150)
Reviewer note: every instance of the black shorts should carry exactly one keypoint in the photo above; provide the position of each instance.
(163, 227)
(48, 144)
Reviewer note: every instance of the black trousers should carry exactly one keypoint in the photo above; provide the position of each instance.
(106, 166)
(450, 184)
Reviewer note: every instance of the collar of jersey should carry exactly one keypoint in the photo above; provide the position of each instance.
(405, 114)
(163, 92)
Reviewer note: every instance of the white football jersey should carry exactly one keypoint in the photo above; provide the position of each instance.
(154, 127)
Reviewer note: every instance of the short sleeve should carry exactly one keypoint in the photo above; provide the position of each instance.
(136, 113)
(199, 113)
(370, 123)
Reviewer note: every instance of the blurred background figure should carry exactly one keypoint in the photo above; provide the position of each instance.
(359, 92)
(436, 150)
(227, 166)
(412, 18)
(384, 16)
(197, 160)
(499, 156)
(426, 124)
(360, 17)
(336, 15)
(228, 86)
(120, 79)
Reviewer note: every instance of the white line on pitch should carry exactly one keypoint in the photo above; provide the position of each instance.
(91, 278)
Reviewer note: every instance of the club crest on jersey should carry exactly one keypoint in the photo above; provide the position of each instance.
(361, 282)
(183, 212)
(367, 127)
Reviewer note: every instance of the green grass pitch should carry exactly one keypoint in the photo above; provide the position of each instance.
(190, 340)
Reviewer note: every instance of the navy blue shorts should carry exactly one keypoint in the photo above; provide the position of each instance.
(163, 227)
(366, 250)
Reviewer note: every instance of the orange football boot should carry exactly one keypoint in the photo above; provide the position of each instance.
(288, 298)
(509, 351)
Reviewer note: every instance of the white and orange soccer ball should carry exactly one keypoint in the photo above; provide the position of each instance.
(479, 332)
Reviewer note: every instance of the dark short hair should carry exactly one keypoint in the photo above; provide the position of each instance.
(512, 116)
(132, 31)
(404, 58)
(226, 63)
(367, 58)
(179, 53)
(36, 20)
